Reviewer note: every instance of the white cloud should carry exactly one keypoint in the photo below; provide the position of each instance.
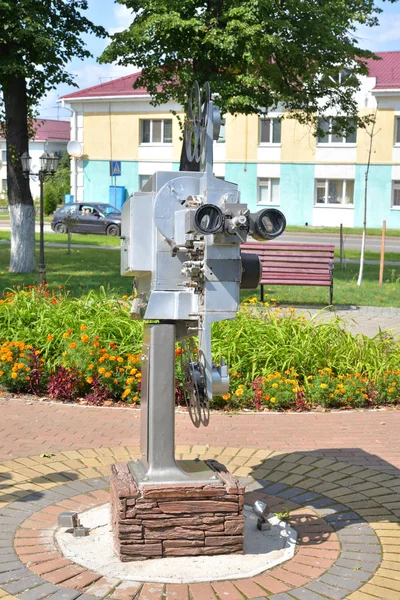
(386, 36)
(123, 17)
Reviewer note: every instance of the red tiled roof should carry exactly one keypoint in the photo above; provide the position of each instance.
(50, 130)
(386, 70)
(117, 87)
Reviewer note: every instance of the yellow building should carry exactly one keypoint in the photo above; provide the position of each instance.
(274, 160)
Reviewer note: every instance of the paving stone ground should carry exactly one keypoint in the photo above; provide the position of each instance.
(347, 519)
(338, 474)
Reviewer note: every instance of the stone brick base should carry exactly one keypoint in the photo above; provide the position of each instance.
(154, 521)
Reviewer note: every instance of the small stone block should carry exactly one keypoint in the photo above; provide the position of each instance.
(68, 519)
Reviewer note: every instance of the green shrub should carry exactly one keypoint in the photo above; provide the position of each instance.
(89, 346)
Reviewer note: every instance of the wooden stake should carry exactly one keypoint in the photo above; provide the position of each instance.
(382, 253)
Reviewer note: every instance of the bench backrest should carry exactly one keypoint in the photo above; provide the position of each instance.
(300, 264)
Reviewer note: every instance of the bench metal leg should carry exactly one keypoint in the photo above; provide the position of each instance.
(331, 294)
(262, 293)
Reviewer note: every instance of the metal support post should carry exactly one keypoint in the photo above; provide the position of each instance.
(42, 265)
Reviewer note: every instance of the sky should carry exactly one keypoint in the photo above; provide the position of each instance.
(116, 17)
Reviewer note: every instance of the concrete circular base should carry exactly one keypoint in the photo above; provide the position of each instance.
(262, 550)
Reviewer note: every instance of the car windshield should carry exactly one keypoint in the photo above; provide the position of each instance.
(107, 209)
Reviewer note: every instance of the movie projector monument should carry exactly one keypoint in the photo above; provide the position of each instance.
(181, 236)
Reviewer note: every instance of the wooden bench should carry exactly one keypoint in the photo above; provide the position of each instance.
(294, 264)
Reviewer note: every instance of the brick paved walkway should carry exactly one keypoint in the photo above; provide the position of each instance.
(363, 438)
(346, 518)
(338, 474)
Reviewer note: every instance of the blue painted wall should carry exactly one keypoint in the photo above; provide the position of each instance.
(379, 197)
(297, 193)
(97, 179)
(245, 176)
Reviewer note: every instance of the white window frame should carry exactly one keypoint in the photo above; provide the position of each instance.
(151, 143)
(326, 203)
(260, 185)
(271, 131)
(4, 157)
(4, 185)
(395, 186)
(331, 144)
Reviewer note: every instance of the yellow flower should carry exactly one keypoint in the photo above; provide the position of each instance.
(323, 386)
(91, 366)
(126, 392)
(275, 385)
(239, 392)
(89, 379)
(391, 390)
(272, 399)
(84, 338)
(14, 375)
(226, 397)
(65, 335)
(107, 375)
(120, 359)
(102, 370)
(130, 380)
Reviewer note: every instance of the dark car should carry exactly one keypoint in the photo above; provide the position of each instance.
(86, 217)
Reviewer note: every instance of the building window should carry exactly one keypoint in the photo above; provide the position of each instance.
(268, 191)
(142, 180)
(334, 191)
(4, 185)
(156, 131)
(4, 156)
(397, 131)
(396, 195)
(332, 138)
(269, 131)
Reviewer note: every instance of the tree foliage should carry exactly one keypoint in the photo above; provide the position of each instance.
(57, 185)
(256, 54)
(37, 39)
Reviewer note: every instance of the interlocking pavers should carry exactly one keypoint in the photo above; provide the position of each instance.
(357, 538)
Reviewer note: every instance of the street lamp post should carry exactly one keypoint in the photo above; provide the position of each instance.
(48, 166)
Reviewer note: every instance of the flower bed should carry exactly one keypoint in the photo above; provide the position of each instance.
(71, 348)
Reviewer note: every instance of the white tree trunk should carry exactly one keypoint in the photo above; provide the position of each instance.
(22, 224)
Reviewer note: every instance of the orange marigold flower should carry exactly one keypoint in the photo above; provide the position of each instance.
(102, 370)
(14, 375)
(83, 327)
(65, 335)
(179, 351)
(126, 392)
(1, 373)
(89, 379)
(107, 375)
(91, 366)
(120, 359)
(50, 337)
(72, 345)
(84, 338)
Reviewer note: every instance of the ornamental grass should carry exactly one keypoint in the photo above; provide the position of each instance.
(89, 348)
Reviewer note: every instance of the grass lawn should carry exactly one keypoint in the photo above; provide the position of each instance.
(78, 272)
(84, 269)
(61, 238)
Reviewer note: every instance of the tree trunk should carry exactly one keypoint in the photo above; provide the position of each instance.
(22, 212)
